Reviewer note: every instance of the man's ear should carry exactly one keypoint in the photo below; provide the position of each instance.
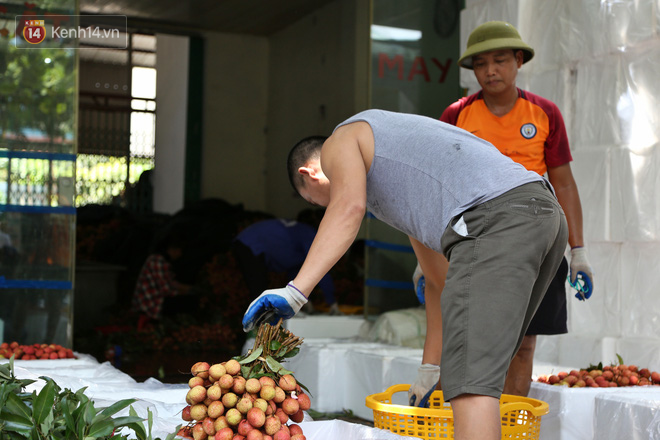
(309, 171)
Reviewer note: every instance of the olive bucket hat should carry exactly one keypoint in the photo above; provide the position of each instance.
(494, 35)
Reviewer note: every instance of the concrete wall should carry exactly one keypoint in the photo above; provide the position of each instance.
(235, 110)
(318, 77)
(263, 94)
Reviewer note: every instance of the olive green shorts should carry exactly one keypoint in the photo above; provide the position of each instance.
(499, 270)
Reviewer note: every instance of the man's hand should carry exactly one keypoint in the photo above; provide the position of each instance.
(272, 305)
(428, 376)
(419, 284)
(580, 266)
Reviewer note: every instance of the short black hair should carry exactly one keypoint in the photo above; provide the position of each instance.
(306, 149)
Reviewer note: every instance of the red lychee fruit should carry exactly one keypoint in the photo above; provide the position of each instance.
(288, 382)
(233, 416)
(200, 369)
(220, 423)
(216, 371)
(256, 417)
(214, 392)
(207, 425)
(290, 406)
(244, 427)
(298, 417)
(267, 392)
(185, 414)
(239, 385)
(295, 429)
(244, 404)
(284, 417)
(253, 385)
(272, 425)
(280, 395)
(198, 432)
(265, 380)
(224, 434)
(195, 381)
(255, 434)
(226, 381)
(304, 401)
(233, 367)
(215, 409)
(229, 400)
(198, 412)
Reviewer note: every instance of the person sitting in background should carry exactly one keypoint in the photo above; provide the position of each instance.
(277, 245)
(157, 292)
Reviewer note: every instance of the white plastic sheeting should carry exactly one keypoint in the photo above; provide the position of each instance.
(107, 385)
(599, 61)
(599, 413)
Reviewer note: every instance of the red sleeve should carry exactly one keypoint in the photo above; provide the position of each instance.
(557, 149)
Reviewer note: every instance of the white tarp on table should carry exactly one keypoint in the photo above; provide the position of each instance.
(107, 385)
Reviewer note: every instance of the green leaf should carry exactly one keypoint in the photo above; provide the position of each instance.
(47, 425)
(118, 406)
(275, 345)
(102, 428)
(291, 353)
(43, 403)
(252, 356)
(276, 367)
(15, 423)
(16, 406)
(620, 359)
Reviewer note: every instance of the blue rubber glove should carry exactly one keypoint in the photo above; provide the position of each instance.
(428, 376)
(272, 305)
(581, 276)
(419, 284)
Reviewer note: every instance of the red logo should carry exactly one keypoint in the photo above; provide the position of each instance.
(34, 31)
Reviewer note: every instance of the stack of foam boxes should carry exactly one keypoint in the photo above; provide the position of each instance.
(599, 61)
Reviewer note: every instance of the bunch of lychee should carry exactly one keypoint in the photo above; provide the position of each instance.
(223, 405)
(609, 376)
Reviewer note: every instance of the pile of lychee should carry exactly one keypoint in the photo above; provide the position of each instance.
(34, 351)
(223, 405)
(608, 376)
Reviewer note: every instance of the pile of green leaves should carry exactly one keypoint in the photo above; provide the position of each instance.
(56, 414)
(272, 346)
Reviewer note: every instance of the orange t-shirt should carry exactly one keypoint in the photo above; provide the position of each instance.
(532, 133)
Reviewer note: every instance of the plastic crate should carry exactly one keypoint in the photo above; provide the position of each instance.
(521, 416)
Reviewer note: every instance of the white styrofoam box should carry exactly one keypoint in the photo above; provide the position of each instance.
(580, 351)
(325, 326)
(591, 171)
(598, 92)
(635, 196)
(643, 352)
(539, 26)
(573, 413)
(369, 367)
(321, 366)
(582, 28)
(632, 415)
(641, 70)
(547, 349)
(640, 309)
(627, 23)
(600, 315)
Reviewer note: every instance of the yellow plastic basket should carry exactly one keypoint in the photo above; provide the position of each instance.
(521, 416)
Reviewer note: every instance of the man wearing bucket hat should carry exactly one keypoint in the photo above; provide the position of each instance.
(530, 130)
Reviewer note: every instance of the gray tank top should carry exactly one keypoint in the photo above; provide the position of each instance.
(425, 172)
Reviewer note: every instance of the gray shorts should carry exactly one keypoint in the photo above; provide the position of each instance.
(498, 274)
